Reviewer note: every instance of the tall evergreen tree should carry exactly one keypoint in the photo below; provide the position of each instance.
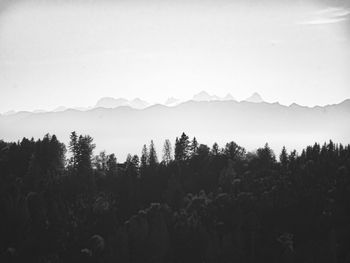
(182, 147)
(144, 157)
(74, 149)
(81, 149)
(132, 165)
(266, 156)
(85, 150)
(167, 152)
(234, 151)
(112, 166)
(47, 161)
(194, 147)
(284, 158)
(153, 159)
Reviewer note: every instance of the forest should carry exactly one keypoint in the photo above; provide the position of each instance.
(194, 203)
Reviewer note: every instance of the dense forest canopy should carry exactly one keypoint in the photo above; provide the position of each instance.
(199, 203)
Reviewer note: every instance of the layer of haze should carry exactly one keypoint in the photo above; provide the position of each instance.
(72, 53)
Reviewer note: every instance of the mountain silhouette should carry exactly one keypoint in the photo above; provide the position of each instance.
(137, 103)
(109, 102)
(60, 108)
(255, 98)
(202, 96)
(123, 129)
(228, 97)
(171, 101)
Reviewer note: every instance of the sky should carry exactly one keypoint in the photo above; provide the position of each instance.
(71, 53)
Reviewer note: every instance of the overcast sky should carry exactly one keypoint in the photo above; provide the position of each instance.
(72, 53)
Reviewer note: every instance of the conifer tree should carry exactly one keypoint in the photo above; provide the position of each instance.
(167, 152)
(153, 159)
(112, 166)
(182, 147)
(194, 146)
(73, 148)
(284, 158)
(234, 151)
(144, 157)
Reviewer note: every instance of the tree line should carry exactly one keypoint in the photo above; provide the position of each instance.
(195, 204)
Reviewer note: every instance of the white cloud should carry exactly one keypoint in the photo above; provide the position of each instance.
(327, 16)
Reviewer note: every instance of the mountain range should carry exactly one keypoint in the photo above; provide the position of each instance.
(137, 103)
(250, 123)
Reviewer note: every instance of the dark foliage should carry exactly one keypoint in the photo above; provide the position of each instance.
(208, 205)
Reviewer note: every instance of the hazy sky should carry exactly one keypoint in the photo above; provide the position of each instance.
(72, 53)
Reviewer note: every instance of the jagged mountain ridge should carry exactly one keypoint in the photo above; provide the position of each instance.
(109, 102)
(255, 97)
(137, 103)
(124, 130)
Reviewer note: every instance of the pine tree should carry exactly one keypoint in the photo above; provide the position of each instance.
(132, 165)
(144, 157)
(266, 156)
(73, 148)
(167, 152)
(112, 166)
(182, 148)
(234, 151)
(81, 148)
(153, 159)
(194, 147)
(85, 150)
(284, 158)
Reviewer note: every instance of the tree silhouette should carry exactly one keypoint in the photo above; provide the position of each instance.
(234, 151)
(214, 206)
(284, 158)
(167, 152)
(83, 157)
(144, 157)
(182, 148)
(153, 159)
(215, 149)
(194, 146)
(74, 149)
(112, 166)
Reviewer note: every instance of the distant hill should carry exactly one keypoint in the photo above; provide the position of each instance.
(204, 96)
(255, 97)
(108, 102)
(137, 103)
(124, 129)
(171, 101)
(228, 97)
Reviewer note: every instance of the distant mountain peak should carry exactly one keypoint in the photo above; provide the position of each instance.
(229, 97)
(255, 97)
(171, 101)
(202, 96)
(109, 102)
(138, 103)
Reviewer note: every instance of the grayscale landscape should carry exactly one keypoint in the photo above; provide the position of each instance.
(175, 131)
